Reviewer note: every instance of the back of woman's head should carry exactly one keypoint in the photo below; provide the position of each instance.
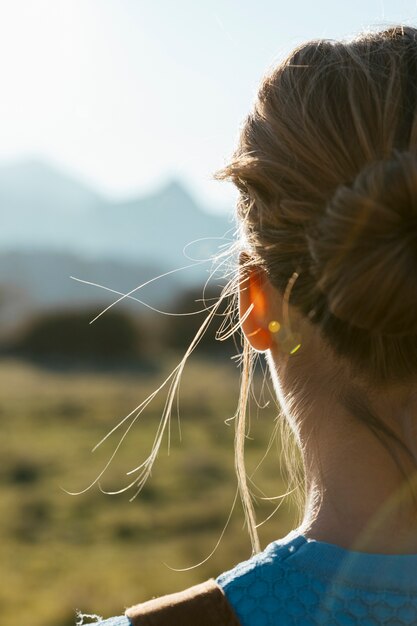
(327, 172)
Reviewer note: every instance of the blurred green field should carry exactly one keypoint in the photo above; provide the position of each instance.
(101, 553)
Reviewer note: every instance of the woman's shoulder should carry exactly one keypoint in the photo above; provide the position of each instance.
(248, 579)
(264, 565)
(268, 584)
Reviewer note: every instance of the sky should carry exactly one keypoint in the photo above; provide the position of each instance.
(128, 94)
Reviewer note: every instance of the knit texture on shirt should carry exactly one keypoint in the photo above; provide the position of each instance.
(297, 581)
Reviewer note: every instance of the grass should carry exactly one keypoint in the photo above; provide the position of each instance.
(101, 553)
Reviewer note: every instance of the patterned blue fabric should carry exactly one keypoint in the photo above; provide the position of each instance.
(298, 581)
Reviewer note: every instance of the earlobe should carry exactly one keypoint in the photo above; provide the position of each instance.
(253, 309)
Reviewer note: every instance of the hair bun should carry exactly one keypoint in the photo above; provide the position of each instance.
(364, 248)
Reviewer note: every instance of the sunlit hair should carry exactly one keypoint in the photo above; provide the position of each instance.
(326, 169)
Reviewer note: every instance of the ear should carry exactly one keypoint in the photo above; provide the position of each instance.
(253, 294)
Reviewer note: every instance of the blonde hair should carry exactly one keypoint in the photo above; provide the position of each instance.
(326, 169)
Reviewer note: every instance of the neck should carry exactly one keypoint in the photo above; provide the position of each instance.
(361, 487)
(360, 495)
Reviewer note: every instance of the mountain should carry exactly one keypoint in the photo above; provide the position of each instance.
(32, 281)
(38, 202)
(32, 180)
(161, 225)
(55, 227)
(46, 209)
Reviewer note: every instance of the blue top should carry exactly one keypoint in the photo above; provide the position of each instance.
(308, 582)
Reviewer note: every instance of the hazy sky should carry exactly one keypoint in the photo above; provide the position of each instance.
(129, 93)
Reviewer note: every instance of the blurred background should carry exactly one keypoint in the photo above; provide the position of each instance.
(114, 115)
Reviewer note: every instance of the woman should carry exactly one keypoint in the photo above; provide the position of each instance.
(326, 168)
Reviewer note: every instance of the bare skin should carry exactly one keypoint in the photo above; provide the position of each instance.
(357, 495)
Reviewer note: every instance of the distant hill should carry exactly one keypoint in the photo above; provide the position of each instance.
(163, 224)
(45, 208)
(32, 281)
(46, 276)
(54, 227)
(39, 203)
